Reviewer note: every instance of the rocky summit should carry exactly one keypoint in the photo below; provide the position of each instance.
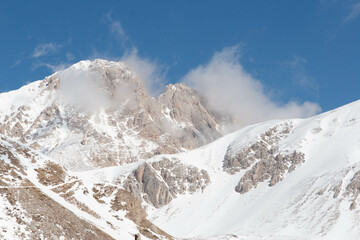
(93, 115)
(87, 153)
(98, 114)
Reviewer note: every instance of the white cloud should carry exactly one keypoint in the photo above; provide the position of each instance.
(150, 72)
(45, 48)
(355, 12)
(229, 88)
(52, 67)
(223, 81)
(82, 88)
(57, 67)
(91, 92)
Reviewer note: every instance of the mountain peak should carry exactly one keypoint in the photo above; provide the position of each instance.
(86, 64)
(177, 86)
(106, 70)
(99, 114)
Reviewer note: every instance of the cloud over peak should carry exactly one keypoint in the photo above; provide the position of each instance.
(150, 72)
(229, 88)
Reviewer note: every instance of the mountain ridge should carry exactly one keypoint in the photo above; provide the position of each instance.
(102, 101)
(164, 168)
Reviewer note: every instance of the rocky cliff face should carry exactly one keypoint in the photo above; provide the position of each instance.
(161, 181)
(41, 199)
(187, 109)
(98, 114)
(263, 160)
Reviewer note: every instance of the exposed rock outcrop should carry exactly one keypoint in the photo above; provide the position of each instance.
(51, 174)
(120, 200)
(264, 159)
(188, 110)
(35, 214)
(45, 218)
(353, 189)
(41, 199)
(159, 182)
(148, 182)
(269, 168)
(236, 160)
(123, 200)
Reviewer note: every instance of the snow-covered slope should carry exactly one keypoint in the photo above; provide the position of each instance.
(310, 192)
(42, 200)
(316, 200)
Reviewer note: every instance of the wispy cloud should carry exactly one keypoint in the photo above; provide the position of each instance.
(223, 81)
(69, 56)
(16, 63)
(45, 48)
(354, 13)
(297, 69)
(151, 72)
(116, 28)
(82, 88)
(51, 67)
(229, 88)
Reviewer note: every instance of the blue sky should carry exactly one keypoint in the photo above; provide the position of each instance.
(295, 51)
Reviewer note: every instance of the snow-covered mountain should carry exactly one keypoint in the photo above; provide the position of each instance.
(98, 114)
(113, 162)
(283, 179)
(291, 179)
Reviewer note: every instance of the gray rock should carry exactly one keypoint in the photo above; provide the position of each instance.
(160, 182)
(268, 164)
